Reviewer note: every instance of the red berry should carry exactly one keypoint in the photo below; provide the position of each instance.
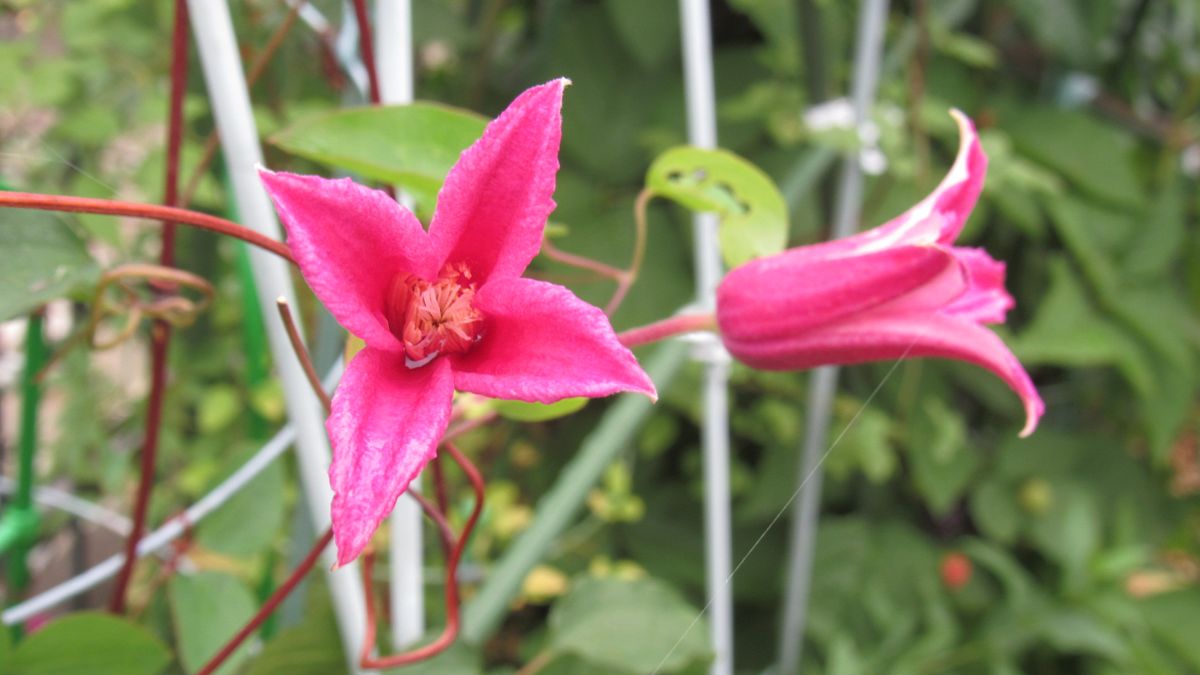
(956, 570)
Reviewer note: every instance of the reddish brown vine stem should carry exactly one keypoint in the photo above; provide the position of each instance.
(160, 335)
(367, 49)
(110, 207)
(450, 632)
(269, 606)
(660, 330)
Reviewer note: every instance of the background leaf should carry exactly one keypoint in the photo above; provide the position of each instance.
(93, 643)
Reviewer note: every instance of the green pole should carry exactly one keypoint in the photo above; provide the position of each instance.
(20, 522)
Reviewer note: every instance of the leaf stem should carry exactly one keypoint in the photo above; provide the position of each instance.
(661, 330)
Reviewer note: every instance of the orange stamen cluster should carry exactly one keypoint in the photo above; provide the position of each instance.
(433, 318)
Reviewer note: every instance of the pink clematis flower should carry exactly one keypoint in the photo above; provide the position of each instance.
(899, 290)
(445, 309)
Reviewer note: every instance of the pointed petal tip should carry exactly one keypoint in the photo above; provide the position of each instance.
(1034, 409)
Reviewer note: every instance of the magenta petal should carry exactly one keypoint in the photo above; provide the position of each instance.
(941, 215)
(492, 210)
(985, 299)
(937, 219)
(386, 424)
(787, 293)
(350, 241)
(541, 343)
(882, 336)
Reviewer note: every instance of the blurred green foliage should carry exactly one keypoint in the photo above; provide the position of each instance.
(1084, 540)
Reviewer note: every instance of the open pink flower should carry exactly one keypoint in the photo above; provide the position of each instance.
(900, 290)
(446, 309)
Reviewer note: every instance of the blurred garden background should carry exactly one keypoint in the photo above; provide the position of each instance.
(946, 544)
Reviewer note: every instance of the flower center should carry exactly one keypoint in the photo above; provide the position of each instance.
(433, 317)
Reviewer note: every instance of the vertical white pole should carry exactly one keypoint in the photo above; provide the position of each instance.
(230, 101)
(394, 59)
(702, 132)
(823, 385)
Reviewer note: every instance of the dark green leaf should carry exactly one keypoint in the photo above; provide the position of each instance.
(1095, 156)
(413, 145)
(628, 626)
(92, 643)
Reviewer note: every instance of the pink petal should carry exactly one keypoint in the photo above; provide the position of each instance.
(541, 343)
(386, 424)
(493, 207)
(883, 336)
(936, 219)
(787, 293)
(985, 300)
(350, 241)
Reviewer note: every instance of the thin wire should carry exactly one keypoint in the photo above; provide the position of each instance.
(66, 502)
(788, 503)
(157, 539)
(170, 530)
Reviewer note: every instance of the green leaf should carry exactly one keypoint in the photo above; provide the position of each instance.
(649, 30)
(208, 608)
(522, 411)
(459, 659)
(412, 146)
(219, 406)
(250, 520)
(1173, 618)
(1095, 156)
(754, 219)
(941, 465)
(310, 648)
(994, 509)
(628, 626)
(92, 643)
(43, 260)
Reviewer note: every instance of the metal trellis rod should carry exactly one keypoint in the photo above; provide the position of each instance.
(230, 101)
(823, 385)
(702, 132)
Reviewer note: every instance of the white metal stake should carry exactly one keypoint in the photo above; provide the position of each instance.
(230, 102)
(702, 132)
(394, 59)
(823, 385)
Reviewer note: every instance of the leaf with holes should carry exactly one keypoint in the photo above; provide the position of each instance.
(754, 221)
(412, 146)
(43, 260)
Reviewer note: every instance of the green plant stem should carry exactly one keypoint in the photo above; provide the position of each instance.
(557, 510)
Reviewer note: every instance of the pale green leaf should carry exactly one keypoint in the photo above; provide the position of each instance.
(522, 411)
(754, 218)
(207, 609)
(43, 260)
